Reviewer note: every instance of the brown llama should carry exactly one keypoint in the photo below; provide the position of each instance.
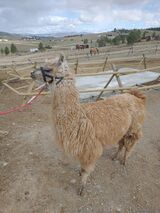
(83, 130)
(94, 51)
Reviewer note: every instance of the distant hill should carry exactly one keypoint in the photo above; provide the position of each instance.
(4, 34)
(9, 35)
(60, 34)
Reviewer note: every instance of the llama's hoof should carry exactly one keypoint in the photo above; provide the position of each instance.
(81, 190)
(123, 163)
(63, 163)
(124, 170)
(81, 172)
(114, 158)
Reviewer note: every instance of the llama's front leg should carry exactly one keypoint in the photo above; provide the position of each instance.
(81, 171)
(63, 158)
(85, 173)
(123, 161)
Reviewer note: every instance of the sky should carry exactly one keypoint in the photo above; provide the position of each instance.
(90, 16)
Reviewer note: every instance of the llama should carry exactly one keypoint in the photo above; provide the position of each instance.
(83, 130)
(94, 51)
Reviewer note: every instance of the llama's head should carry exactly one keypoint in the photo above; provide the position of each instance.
(53, 70)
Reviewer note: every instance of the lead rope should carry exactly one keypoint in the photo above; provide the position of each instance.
(24, 105)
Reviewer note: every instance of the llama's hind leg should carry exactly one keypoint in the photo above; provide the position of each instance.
(127, 151)
(85, 173)
(121, 145)
(129, 142)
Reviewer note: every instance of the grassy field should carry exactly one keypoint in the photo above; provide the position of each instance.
(24, 44)
(121, 54)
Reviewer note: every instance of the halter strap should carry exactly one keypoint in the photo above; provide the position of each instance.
(60, 79)
(46, 73)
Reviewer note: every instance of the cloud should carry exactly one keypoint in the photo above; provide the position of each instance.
(130, 15)
(138, 16)
(52, 16)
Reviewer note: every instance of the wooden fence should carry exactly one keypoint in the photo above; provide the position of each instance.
(102, 65)
(21, 74)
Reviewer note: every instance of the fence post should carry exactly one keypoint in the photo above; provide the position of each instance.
(114, 68)
(76, 67)
(100, 94)
(144, 61)
(117, 76)
(130, 50)
(156, 49)
(105, 63)
(35, 65)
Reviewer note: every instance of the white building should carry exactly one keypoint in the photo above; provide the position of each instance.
(34, 50)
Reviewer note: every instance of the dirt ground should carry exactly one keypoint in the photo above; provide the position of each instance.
(34, 179)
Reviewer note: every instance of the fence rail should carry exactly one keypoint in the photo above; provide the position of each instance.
(22, 74)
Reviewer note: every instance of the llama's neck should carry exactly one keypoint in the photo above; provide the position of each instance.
(67, 111)
(65, 96)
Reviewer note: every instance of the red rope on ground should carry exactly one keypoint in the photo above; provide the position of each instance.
(23, 105)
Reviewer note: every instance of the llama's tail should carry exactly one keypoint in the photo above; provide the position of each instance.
(138, 94)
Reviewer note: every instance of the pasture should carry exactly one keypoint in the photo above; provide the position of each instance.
(33, 176)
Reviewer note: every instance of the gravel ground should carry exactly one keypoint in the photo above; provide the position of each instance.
(34, 179)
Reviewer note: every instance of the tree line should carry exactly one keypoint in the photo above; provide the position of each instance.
(7, 50)
(41, 47)
(154, 28)
(13, 49)
(130, 39)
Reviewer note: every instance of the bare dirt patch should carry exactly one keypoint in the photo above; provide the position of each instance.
(33, 179)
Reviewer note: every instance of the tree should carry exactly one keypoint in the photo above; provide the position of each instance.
(40, 46)
(123, 39)
(144, 35)
(116, 40)
(85, 41)
(6, 50)
(2, 50)
(13, 48)
(154, 34)
(134, 36)
(108, 40)
(48, 47)
(101, 42)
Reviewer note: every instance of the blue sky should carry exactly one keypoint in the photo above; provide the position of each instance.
(52, 16)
